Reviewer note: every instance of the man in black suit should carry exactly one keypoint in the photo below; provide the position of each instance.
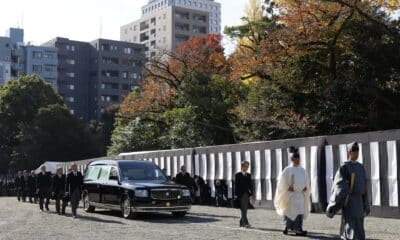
(59, 181)
(18, 185)
(243, 192)
(74, 187)
(25, 185)
(32, 187)
(184, 178)
(43, 187)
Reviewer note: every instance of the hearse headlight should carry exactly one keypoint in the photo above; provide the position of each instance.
(141, 193)
(185, 193)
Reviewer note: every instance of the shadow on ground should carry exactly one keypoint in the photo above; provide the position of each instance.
(163, 217)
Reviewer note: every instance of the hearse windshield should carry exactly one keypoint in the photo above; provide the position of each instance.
(140, 171)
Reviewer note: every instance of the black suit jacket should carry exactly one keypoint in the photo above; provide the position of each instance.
(18, 182)
(74, 182)
(59, 184)
(43, 182)
(185, 180)
(32, 183)
(243, 184)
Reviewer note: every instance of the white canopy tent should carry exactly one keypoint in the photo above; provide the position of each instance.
(50, 167)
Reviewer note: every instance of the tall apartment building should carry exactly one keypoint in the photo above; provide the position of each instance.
(94, 76)
(18, 59)
(42, 61)
(5, 59)
(166, 23)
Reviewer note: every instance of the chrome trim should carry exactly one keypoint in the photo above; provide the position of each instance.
(161, 209)
(105, 206)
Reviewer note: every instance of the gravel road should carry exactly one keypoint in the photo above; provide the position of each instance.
(24, 221)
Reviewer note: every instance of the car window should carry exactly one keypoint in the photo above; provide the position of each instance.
(92, 173)
(104, 173)
(138, 171)
(113, 173)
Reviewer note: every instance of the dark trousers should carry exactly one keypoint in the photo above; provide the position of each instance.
(44, 195)
(244, 205)
(296, 225)
(24, 195)
(19, 194)
(61, 203)
(75, 198)
(32, 197)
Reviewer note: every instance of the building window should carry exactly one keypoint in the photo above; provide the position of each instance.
(49, 68)
(125, 86)
(70, 61)
(134, 75)
(70, 48)
(127, 50)
(70, 74)
(72, 111)
(71, 87)
(70, 99)
(107, 60)
(113, 48)
(37, 68)
(125, 75)
(37, 55)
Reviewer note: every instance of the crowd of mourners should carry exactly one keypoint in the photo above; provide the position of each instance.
(292, 198)
(41, 187)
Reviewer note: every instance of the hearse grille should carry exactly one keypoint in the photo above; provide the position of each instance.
(165, 194)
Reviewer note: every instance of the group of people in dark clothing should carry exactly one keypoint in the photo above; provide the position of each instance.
(42, 187)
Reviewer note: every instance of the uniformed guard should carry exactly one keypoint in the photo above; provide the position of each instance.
(74, 187)
(59, 182)
(43, 187)
(349, 193)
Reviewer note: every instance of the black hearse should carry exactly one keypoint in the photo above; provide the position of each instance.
(132, 187)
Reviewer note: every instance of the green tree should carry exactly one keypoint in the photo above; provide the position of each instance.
(54, 135)
(36, 126)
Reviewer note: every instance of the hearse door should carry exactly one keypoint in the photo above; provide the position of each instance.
(112, 189)
(92, 185)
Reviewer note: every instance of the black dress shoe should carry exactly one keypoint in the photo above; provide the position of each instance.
(285, 232)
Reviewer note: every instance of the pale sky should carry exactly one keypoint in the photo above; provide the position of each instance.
(43, 20)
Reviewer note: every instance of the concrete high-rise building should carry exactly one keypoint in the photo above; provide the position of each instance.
(93, 76)
(5, 59)
(42, 61)
(166, 23)
(18, 59)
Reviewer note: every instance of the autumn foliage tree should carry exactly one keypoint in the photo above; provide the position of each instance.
(186, 98)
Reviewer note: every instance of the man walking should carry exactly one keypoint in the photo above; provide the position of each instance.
(243, 192)
(18, 184)
(43, 187)
(292, 198)
(25, 185)
(349, 193)
(59, 181)
(74, 187)
(184, 178)
(32, 187)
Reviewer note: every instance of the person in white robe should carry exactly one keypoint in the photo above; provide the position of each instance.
(292, 199)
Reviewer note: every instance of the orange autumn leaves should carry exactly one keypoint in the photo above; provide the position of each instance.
(165, 73)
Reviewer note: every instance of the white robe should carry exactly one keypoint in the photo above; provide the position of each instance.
(292, 204)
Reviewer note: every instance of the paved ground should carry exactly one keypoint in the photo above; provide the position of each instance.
(25, 221)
